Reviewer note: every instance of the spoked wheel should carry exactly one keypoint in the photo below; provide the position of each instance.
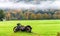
(14, 29)
(28, 29)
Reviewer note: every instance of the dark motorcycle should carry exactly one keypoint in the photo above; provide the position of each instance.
(19, 27)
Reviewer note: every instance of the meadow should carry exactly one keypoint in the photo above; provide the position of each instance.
(39, 27)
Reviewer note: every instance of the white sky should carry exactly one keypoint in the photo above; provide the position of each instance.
(43, 4)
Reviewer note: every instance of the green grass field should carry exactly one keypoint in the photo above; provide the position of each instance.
(40, 27)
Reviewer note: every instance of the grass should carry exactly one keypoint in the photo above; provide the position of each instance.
(40, 27)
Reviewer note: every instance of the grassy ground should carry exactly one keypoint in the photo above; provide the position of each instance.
(40, 27)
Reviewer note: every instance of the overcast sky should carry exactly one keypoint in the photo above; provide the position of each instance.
(40, 4)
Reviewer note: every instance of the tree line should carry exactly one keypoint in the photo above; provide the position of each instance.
(30, 15)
